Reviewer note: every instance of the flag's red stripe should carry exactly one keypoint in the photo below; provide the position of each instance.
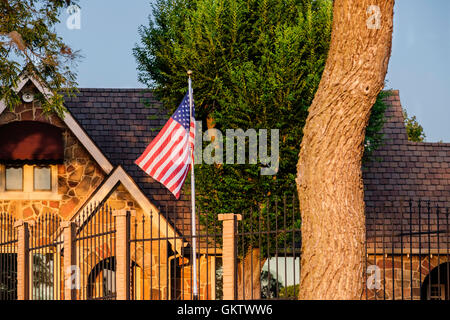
(156, 150)
(161, 148)
(176, 167)
(175, 171)
(169, 154)
(180, 183)
(171, 164)
(154, 142)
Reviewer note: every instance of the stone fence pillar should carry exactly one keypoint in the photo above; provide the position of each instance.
(123, 287)
(71, 273)
(229, 254)
(23, 261)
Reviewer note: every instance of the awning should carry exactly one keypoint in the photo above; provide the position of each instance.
(31, 141)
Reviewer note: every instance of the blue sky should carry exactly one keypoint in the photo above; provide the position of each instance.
(419, 65)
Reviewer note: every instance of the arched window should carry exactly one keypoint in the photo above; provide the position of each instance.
(102, 280)
(436, 285)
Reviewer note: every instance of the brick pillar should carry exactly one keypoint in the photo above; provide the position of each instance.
(23, 263)
(123, 253)
(71, 275)
(229, 254)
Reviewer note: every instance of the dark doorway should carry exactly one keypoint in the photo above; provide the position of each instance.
(436, 284)
(102, 280)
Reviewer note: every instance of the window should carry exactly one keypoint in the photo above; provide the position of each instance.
(8, 276)
(102, 280)
(42, 179)
(43, 271)
(29, 182)
(14, 178)
(436, 292)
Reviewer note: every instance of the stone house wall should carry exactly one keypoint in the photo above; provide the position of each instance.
(393, 281)
(78, 176)
(206, 279)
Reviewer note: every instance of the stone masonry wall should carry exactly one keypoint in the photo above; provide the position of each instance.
(78, 177)
(393, 280)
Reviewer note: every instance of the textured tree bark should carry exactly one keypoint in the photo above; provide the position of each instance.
(250, 277)
(329, 177)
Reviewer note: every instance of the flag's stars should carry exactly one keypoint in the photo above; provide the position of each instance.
(182, 115)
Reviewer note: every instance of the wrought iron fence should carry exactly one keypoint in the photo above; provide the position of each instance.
(46, 264)
(161, 267)
(95, 244)
(407, 252)
(268, 243)
(8, 258)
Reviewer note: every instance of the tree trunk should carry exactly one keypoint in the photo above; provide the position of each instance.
(249, 275)
(329, 177)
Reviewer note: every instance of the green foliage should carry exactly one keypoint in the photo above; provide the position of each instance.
(219, 279)
(414, 130)
(256, 64)
(288, 292)
(374, 137)
(29, 43)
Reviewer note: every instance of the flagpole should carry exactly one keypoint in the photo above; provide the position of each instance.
(193, 224)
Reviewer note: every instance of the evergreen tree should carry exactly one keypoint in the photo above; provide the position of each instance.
(257, 64)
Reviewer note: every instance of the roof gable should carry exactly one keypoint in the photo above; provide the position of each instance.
(69, 120)
(123, 122)
(403, 170)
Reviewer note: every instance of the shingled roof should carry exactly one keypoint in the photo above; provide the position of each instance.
(404, 170)
(122, 122)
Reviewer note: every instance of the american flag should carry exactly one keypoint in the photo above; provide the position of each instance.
(169, 156)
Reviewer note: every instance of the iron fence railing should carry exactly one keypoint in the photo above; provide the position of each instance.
(268, 243)
(46, 264)
(96, 253)
(161, 265)
(8, 258)
(407, 252)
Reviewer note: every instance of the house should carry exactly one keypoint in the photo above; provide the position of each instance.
(70, 168)
(78, 171)
(407, 197)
